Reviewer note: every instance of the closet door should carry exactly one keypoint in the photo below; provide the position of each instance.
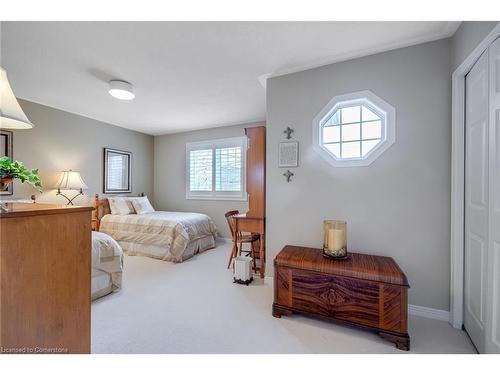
(476, 200)
(493, 280)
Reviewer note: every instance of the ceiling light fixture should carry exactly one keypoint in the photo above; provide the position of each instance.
(121, 90)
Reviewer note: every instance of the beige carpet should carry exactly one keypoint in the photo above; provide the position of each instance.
(194, 307)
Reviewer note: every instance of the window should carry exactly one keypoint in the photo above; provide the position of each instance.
(117, 171)
(216, 169)
(354, 129)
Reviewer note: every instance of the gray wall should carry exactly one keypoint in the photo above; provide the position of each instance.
(466, 38)
(399, 205)
(170, 175)
(62, 140)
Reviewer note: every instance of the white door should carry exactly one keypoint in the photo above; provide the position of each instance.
(493, 279)
(476, 200)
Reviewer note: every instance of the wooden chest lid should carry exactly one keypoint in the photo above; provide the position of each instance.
(360, 266)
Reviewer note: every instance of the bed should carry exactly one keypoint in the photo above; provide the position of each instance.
(165, 235)
(107, 265)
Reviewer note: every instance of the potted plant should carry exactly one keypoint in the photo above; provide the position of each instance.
(10, 170)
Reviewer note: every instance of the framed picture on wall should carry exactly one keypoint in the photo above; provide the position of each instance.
(117, 171)
(6, 150)
(289, 154)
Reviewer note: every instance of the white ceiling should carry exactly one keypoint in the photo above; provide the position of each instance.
(187, 75)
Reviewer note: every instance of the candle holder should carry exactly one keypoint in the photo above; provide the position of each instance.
(335, 242)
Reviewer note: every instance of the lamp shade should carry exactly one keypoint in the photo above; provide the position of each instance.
(11, 114)
(71, 180)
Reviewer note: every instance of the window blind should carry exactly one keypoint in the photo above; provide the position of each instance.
(200, 170)
(117, 172)
(216, 169)
(228, 169)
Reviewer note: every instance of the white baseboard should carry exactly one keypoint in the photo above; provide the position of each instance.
(224, 239)
(425, 312)
(428, 312)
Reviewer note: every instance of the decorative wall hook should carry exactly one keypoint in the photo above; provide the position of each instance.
(288, 175)
(288, 131)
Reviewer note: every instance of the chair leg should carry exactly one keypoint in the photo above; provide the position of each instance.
(255, 247)
(255, 263)
(234, 251)
(254, 267)
(242, 250)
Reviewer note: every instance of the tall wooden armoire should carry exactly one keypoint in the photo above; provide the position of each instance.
(254, 220)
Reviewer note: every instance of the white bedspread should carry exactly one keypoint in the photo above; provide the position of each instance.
(107, 265)
(171, 231)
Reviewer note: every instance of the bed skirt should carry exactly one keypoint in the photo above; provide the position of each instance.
(158, 252)
(104, 283)
(107, 265)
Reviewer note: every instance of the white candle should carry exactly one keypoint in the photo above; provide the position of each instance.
(336, 239)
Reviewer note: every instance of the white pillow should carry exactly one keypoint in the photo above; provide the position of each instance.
(142, 205)
(121, 206)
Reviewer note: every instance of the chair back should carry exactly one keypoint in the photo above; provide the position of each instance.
(231, 222)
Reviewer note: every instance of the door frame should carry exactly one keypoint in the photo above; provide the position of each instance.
(458, 178)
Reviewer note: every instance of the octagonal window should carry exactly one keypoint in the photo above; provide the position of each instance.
(354, 129)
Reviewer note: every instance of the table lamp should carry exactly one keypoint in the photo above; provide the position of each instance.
(70, 180)
(11, 113)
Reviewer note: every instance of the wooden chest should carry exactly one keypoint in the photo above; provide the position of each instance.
(364, 290)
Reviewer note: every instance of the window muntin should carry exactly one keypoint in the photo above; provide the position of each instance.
(216, 169)
(351, 131)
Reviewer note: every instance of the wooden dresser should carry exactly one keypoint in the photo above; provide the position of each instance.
(45, 276)
(254, 220)
(365, 290)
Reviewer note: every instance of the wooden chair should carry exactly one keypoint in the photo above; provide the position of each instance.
(239, 239)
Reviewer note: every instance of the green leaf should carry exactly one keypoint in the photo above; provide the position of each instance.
(18, 170)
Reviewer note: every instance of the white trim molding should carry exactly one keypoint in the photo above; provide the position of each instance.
(425, 312)
(458, 178)
(429, 312)
(448, 29)
(224, 239)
